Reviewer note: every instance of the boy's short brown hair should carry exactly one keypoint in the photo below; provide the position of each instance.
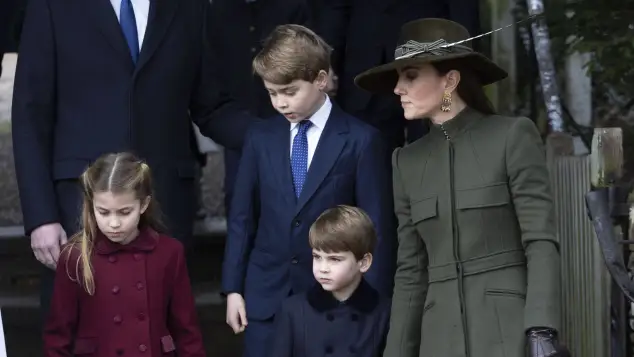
(343, 229)
(292, 52)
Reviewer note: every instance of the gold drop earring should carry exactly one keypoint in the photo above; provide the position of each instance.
(445, 105)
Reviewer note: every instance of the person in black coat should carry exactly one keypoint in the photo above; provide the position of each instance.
(364, 34)
(341, 315)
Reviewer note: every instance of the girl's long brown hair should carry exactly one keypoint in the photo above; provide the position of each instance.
(116, 173)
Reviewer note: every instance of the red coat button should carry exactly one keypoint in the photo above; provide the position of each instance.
(139, 285)
(112, 259)
(141, 316)
(117, 319)
(137, 256)
(115, 289)
(142, 348)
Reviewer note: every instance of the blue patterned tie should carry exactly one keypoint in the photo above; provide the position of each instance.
(299, 156)
(128, 25)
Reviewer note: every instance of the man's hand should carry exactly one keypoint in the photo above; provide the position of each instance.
(236, 313)
(333, 84)
(46, 242)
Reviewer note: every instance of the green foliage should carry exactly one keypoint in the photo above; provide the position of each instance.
(604, 28)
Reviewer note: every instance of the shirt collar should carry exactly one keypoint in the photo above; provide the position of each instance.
(320, 117)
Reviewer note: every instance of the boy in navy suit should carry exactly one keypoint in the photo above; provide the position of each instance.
(341, 314)
(294, 166)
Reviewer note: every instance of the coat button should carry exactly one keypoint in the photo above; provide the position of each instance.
(294, 261)
(329, 317)
(139, 285)
(141, 316)
(117, 319)
(119, 351)
(137, 256)
(112, 259)
(115, 289)
(251, 28)
(354, 317)
(297, 223)
(329, 349)
(142, 348)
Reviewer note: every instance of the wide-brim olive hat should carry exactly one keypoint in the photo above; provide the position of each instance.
(430, 41)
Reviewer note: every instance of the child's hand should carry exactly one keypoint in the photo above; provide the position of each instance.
(236, 313)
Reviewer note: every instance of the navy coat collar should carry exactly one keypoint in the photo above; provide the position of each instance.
(364, 299)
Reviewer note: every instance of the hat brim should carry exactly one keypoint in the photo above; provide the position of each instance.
(382, 79)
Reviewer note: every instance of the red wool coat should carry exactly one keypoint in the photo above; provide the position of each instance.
(142, 306)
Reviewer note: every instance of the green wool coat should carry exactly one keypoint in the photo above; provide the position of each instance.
(478, 257)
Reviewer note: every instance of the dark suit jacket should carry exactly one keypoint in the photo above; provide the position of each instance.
(364, 34)
(142, 303)
(8, 19)
(78, 95)
(238, 31)
(267, 254)
(314, 324)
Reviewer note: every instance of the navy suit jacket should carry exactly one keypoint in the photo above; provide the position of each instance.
(78, 95)
(267, 255)
(314, 324)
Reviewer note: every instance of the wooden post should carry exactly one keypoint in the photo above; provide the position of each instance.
(606, 166)
(606, 157)
(585, 281)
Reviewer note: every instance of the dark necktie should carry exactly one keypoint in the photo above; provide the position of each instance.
(128, 25)
(299, 156)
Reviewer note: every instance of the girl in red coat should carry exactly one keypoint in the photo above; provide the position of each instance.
(122, 288)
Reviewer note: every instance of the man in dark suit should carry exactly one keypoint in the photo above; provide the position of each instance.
(295, 166)
(105, 76)
(364, 34)
(248, 22)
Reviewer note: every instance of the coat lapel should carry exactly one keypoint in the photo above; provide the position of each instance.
(106, 20)
(160, 17)
(279, 154)
(331, 142)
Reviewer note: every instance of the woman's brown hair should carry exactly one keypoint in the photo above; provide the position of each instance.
(117, 173)
(469, 88)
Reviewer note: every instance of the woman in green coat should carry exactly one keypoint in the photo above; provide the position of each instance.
(478, 258)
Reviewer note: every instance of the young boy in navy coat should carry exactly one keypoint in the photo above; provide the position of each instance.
(341, 315)
(312, 157)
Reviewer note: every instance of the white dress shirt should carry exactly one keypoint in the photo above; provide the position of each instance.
(313, 133)
(141, 12)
